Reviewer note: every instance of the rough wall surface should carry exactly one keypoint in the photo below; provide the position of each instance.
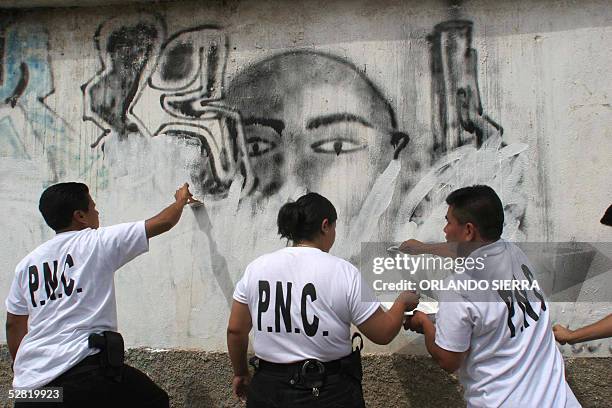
(69, 3)
(384, 107)
(198, 379)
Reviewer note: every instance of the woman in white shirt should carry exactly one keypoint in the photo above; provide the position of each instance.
(300, 301)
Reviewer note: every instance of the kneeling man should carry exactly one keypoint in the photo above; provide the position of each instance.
(499, 339)
(61, 325)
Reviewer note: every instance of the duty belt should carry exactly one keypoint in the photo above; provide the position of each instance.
(312, 373)
(310, 365)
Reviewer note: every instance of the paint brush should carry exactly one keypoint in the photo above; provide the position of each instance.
(193, 203)
(427, 305)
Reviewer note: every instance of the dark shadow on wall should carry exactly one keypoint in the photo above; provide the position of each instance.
(217, 260)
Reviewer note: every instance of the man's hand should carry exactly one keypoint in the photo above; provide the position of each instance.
(382, 327)
(410, 300)
(412, 247)
(184, 196)
(449, 361)
(562, 334)
(240, 385)
(416, 322)
(170, 215)
(598, 330)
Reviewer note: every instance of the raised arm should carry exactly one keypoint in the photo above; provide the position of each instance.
(16, 329)
(170, 215)
(595, 331)
(382, 327)
(442, 249)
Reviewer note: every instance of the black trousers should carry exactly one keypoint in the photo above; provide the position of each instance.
(273, 390)
(91, 388)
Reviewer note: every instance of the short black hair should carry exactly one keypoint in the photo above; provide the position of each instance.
(302, 219)
(481, 206)
(59, 202)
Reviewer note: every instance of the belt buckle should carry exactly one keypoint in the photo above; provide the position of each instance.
(315, 363)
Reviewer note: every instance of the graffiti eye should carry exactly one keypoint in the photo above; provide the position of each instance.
(337, 146)
(257, 146)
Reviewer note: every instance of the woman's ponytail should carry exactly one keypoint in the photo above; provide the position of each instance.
(302, 219)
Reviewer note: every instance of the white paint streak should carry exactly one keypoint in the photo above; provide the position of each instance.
(500, 168)
(363, 227)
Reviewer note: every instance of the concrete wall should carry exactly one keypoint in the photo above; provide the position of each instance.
(255, 102)
(21, 4)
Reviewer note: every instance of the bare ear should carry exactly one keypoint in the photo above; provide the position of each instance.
(78, 216)
(470, 231)
(325, 225)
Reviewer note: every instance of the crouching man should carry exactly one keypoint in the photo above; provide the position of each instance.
(500, 340)
(61, 325)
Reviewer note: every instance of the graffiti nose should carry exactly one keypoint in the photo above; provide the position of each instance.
(212, 184)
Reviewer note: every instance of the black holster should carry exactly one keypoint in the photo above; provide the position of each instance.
(112, 352)
(351, 365)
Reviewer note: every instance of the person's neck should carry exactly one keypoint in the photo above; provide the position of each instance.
(467, 247)
(484, 242)
(72, 228)
(309, 244)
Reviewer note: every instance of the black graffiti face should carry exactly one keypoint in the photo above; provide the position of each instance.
(315, 118)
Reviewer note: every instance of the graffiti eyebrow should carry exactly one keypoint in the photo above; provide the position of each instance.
(276, 124)
(335, 118)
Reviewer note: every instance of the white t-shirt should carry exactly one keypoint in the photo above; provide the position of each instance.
(327, 294)
(66, 287)
(511, 362)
